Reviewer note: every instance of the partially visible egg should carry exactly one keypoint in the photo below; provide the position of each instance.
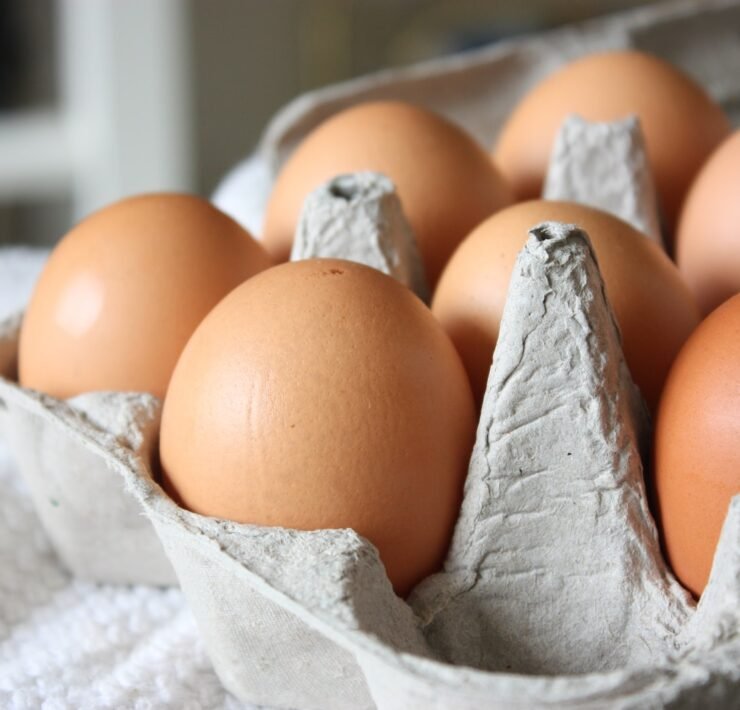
(323, 394)
(697, 445)
(681, 123)
(708, 238)
(655, 309)
(445, 180)
(124, 290)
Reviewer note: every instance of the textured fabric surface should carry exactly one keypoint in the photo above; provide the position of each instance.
(70, 644)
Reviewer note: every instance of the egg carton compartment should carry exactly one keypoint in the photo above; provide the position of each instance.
(64, 450)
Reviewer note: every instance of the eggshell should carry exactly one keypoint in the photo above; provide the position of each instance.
(708, 238)
(682, 124)
(654, 307)
(323, 394)
(125, 289)
(697, 445)
(445, 180)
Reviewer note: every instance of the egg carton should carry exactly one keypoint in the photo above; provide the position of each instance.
(308, 619)
(554, 591)
(95, 526)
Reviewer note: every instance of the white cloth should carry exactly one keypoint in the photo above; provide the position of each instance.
(71, 645)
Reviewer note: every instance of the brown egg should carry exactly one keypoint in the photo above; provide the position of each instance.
(124, 290)
(323, 394)
(697, 445)
(445, 180)
(708, 238)
(654, 308)
(682, 125)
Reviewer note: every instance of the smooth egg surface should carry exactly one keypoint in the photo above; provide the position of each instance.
(708, 239)
(697, 445)
(123, 291)
(323, 394)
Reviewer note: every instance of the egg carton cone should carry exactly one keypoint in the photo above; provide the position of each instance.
(560, 605)
(604, 165)
(554, 591)
(358, 217)
(65, 450)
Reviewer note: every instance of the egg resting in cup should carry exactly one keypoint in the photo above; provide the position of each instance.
(323, 394)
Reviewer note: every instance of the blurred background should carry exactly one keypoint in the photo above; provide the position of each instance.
(104, 98)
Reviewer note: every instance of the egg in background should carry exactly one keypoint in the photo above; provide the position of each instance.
(681, 123)
(655, 309)
(323, 394)
(696, 469)
(123, 291)
(708, 237)
(445, 180)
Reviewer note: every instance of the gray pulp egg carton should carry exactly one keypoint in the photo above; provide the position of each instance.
(554, 592)
(65, 450)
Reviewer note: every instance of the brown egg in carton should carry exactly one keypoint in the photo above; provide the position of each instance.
(554, 590)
